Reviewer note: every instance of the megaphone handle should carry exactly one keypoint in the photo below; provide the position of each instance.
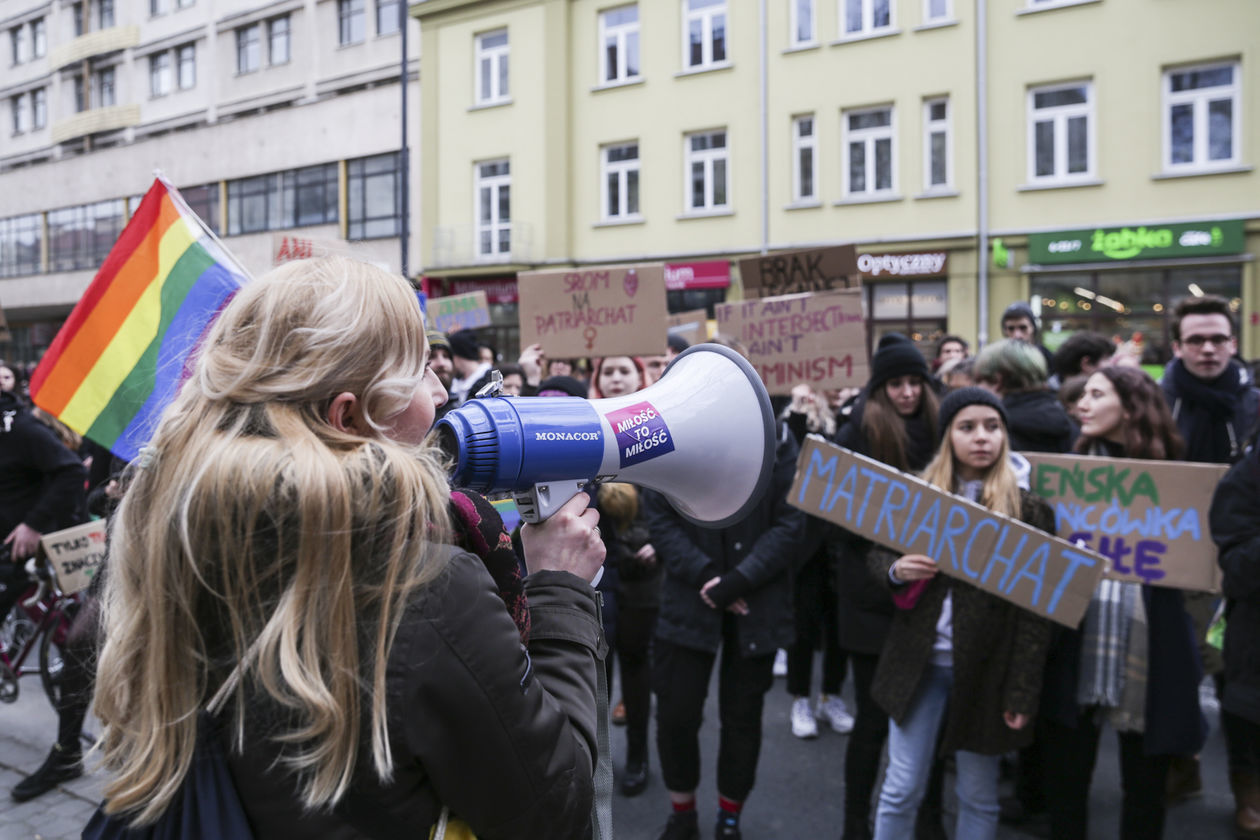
(542, 500)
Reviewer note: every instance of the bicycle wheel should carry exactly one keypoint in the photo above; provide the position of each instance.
(52, 664)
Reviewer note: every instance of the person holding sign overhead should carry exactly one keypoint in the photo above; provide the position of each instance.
(1133, 662)
(957, 656)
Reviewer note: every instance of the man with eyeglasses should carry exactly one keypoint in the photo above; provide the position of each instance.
(1216, 405)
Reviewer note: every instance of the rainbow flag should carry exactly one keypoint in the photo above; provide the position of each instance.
(122, 353)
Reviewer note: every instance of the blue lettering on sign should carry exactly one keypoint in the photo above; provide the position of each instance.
(818, 466)
(957, 522)
(1147, 554)
(1118, 521)
(845, 491)
(927, 525)
(918, 496)
(1077, 560)
(1034, 569)
(887, 509)
(874, 478)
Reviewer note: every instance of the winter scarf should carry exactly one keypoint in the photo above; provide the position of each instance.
(478, 529)
(1205, 404)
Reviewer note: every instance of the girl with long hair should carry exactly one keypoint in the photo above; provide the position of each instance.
(286, 531)
(958, 657)
(1133, 662)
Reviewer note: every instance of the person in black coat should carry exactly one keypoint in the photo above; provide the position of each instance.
(1017, 372)
(726, 590)
(1235, 525)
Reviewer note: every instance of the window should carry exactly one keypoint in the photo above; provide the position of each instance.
(77, 12)
(865, 17)
(39, 38)
(621, 181)
(248, 48)
(103, 84)
(802, 23)
(159, 74)
(494, 209)
(81, 237)
(374, 196)
(278, 40)
(39, 108)
(186, 59)
(492, 67)
(1201, 123)
(804, 159)
(17, 40)
(202, 200)
(282, 200)
(868, 153)
(20, 115)
(80, 95)
(1060, 142)
(184, 4)
(935, 11)
(157, 7)
(351, 22)
(105, 13)
(704, 33)
(937, 146)
(20, 245)
(707, 179)
(386, 16)
(619, 44)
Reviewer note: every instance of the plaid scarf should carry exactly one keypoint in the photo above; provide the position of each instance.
(1113, 652)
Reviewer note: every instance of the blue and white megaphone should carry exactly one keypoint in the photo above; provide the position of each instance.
(703, 435)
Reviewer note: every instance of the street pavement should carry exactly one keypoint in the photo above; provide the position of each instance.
(799, 791)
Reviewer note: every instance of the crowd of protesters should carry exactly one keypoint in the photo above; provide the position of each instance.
(946, 679)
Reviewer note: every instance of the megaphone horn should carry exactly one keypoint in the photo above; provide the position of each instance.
(703, 435)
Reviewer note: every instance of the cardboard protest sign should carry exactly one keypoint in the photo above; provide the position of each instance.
(459, 312)
(606, 311)
(692, 327)
(76, 554)
(1148, 518)
(796, 272)
(1000, 555)
(816, 339)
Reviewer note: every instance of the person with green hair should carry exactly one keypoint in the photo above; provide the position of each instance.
(1016, 371)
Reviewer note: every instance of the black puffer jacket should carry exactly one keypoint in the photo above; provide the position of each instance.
(502, 736)
(1235, 523)
(762, 547)
(1037, 422)
(42, 483)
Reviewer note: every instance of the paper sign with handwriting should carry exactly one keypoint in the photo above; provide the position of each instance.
(76, 554)
(796, 272)
(1148, 518)
(606, 311)
(692, 326)
(1001, 555)
(816, 339)
(459, 312)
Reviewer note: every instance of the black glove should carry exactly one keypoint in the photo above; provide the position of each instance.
(729, 589)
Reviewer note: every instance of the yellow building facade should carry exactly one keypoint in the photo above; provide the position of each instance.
(961, 146)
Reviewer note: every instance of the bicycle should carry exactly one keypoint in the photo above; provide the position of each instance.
(39, 621)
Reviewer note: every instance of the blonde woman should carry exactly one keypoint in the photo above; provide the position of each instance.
(287, 526)
(957, 656)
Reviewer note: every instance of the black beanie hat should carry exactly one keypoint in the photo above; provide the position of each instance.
(464, 345)
(956, 400)
(568, 384)
(1018, 310)
(896, 356)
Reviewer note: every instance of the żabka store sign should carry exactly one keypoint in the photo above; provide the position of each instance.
(1204, 239)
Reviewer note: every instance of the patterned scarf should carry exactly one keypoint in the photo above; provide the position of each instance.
(1113, 654)
(478, 529)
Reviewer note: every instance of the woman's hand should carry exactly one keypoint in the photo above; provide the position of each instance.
(533, 361)
(1015, 721)
(567, 542)
(739, 606)
(913, 567)
(646, 555)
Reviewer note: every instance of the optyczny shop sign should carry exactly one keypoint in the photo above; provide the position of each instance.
(794, 272)
(885, 266)
(1000, 555)
(608, 311)
(1148, 518)
(1137, 243)
(816, 339)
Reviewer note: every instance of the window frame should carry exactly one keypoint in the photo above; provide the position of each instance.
(104, 81)
(392, 5)
(159, 69)
(39, 108)
(20, 52)
(18, 109)
(705, 15)
(794, 24)
(248, 36)
(286, 38)
(868, 28)
(496, 62)
(946, 15)
(869, 137)
(708, 159)
(360, 178)
(621, 32)
(930, 127)
(348, 11)
(1059, 115)
(802, 144)
(495, 225)
(622, 170)
(1200, 100)
(39, 38)
(105, 16)
(180, 52)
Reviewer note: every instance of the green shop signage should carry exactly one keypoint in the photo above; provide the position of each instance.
(1146, 243)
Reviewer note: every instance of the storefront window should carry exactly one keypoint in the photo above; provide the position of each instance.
(916, 309)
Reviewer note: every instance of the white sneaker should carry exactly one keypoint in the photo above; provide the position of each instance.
(836, 714)
(803, 723)
(780, 663)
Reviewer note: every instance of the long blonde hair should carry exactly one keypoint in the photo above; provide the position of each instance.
(254, 531)
(999, 489)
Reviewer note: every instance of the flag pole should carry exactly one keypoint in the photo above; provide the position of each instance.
(179, 201)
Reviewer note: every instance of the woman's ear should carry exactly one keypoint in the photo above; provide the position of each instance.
(344, 415)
